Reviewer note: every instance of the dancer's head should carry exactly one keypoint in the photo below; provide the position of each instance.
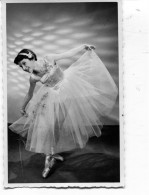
(25, 59)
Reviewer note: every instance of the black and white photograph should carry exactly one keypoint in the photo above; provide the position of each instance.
(63, 93)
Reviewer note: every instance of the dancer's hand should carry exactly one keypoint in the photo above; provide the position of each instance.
(23, 112)
(89, 47)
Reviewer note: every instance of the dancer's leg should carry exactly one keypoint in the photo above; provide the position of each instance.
(50, 159)
(49, 163)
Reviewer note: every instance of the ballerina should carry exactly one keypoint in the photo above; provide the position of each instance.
(67, 109)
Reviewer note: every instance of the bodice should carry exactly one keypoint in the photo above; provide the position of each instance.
(54, 76)
(49, 73)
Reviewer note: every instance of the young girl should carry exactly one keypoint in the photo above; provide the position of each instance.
(67, 108)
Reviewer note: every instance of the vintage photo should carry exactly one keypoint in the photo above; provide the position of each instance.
(63, 92)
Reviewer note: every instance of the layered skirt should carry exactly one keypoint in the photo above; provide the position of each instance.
(64, 116)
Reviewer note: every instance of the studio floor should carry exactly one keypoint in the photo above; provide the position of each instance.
(98, 162)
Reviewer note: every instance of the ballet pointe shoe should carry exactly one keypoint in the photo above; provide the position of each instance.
(58, 157)
(45, 172)
(49, 163)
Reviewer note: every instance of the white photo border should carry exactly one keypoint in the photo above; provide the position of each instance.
(121, 104)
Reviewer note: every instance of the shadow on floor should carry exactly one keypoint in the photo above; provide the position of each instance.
(97, 162)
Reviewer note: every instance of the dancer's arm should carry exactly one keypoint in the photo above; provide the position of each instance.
(29, 95)
(70, 53)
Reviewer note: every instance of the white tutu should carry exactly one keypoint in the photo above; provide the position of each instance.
(62, 117)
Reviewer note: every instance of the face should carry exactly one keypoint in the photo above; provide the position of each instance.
(27, 65)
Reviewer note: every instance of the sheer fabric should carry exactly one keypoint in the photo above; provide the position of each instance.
(66, 110)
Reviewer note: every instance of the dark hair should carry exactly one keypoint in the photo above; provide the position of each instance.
(20, 56)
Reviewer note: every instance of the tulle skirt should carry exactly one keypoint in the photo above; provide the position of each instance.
(63, 117)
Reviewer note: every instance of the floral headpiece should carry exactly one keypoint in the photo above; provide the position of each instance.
(29, 55)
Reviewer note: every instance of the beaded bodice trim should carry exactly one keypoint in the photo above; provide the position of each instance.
(53, 72)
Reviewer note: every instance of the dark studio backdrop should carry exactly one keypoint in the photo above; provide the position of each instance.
(53, 28)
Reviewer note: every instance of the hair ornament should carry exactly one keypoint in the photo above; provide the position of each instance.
(29, 55)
